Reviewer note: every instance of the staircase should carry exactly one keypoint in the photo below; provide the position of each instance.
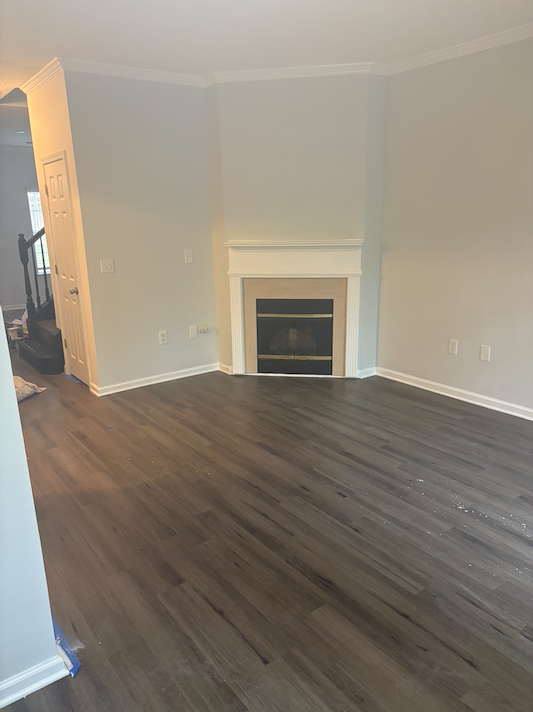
(42, 349)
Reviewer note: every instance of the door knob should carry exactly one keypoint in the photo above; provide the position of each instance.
(73, 291)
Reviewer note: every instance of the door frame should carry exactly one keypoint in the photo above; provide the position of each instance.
(58, 304)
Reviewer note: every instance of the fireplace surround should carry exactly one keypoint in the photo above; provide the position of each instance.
(294, 270)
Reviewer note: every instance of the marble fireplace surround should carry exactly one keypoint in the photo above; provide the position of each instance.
(293, 260)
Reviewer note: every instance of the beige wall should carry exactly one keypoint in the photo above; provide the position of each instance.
(300, 159)
(141, 160)
(458, 224)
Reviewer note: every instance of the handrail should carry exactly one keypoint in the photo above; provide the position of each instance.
(24, 250)
(34, 239)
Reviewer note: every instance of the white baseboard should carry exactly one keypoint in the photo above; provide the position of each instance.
(31, 680)
(225, 368)
(12, 307)
(366, 372)
(151, 380)
(520, 411)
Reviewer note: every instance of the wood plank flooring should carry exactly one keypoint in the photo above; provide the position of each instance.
(224, 543)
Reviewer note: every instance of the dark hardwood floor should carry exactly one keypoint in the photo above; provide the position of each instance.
(224, 543)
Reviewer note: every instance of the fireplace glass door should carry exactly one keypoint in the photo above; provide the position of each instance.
(295, 336)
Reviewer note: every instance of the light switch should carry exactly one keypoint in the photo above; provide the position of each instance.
(107, 266)
(189, 257)
(484, 353)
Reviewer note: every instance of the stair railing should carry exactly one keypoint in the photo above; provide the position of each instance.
(25, 248)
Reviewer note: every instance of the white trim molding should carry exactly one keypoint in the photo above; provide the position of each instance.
(520, 411)
(43, 75)
(325, 70)
(515, 34)
(117, 70)
(151, 380)
(225, 368)
(296, 259)
(366, 372)
(12, 307)
(31, 680)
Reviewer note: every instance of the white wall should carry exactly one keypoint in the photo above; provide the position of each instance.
(298, 158)
(28, 658)
(458, 223)
(17, 173)
(142, 170)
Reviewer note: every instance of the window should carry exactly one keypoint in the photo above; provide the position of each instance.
(37, 222)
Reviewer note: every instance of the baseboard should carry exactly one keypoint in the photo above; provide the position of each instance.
(12, 307)
(152, 380)
(224, 368)
(366, 372)
(468, 396)
(31, 680)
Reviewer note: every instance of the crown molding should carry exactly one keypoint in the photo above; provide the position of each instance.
(515, 34)
(252, 75)
(326, 70)
(43, 75)
(117, 70)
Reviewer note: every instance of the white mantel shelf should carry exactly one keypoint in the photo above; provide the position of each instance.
(260, 259)
(288, 244)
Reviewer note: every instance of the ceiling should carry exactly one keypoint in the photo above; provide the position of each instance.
(203, 36)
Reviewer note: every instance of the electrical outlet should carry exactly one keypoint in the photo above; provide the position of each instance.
(188, 254)
(453, 346)
(203, 328)
(193, 332)
(107, 266)
(484, 353)
(163, 338)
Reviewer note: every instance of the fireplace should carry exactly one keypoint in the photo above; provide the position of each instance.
(295, 336)
(294, 306)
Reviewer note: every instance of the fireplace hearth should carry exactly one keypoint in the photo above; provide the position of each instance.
(295, 336)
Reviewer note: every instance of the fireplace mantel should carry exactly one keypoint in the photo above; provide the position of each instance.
(294, 259)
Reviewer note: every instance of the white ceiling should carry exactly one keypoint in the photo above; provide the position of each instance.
(203, 36)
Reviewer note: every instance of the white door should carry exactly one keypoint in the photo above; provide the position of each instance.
(61, 231)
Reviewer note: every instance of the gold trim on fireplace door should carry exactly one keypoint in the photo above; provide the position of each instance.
(295, 288)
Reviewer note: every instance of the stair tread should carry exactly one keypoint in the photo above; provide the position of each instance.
(48, 324)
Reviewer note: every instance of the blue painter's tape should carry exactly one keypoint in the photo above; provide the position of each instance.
(65, 651)
(71, 378)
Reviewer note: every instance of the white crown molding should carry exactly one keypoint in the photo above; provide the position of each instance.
(326, 70)
(43, 75)
(116, 70)
(458, 393)
(500, 38)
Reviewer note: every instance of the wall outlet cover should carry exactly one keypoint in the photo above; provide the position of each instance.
(189, 256)
(107, 266)
(453, 347)
(203, 328)
(193, 332)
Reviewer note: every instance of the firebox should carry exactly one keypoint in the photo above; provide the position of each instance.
(295, 336)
